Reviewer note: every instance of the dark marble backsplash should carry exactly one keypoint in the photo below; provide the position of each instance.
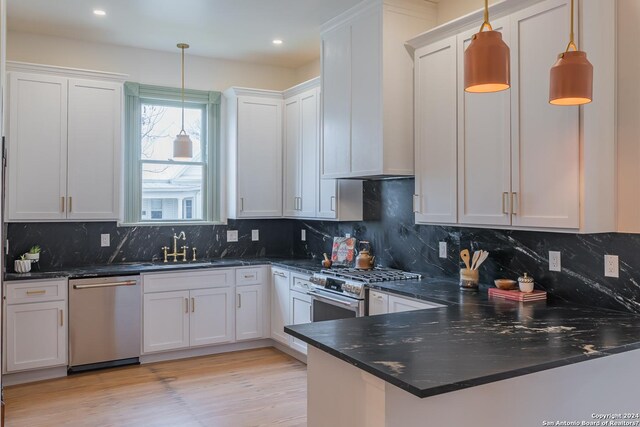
(396, 242)
(78, 244)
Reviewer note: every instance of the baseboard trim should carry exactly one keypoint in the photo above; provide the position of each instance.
(204, 351)
(34, 376)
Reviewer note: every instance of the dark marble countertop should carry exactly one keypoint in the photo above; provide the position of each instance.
(301, 265)
(471, 341)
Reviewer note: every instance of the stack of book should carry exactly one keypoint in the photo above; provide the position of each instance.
(517, 295)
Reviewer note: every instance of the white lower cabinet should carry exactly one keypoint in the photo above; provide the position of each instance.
(36, 325)
(383, 303)
(279, 304)
(211, 318)
(188, 309)
(249, 308)
(300, 306)
(166, 321)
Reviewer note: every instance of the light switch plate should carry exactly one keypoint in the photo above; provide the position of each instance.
(303, 235)
(443, 250)
(255, 235)
(232, 236)
(105, 240)
(554, 261)
(611, 266)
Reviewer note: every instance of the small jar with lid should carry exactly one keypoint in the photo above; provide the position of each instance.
(526, 283)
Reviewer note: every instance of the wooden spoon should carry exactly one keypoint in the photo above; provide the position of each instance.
(482, 259)
(464, 254)
(476, 255)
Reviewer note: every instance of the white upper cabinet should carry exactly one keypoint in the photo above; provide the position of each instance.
(301, 131)
(545, 138)
(435, 82)
(254, 149)
(95, 112)
(37, 156)
(508, 159)
(306, 195)
(367, 86)
(65, 137)
(484, 146)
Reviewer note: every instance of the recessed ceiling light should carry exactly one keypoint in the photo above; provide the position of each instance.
(99, 12)
(277, 41)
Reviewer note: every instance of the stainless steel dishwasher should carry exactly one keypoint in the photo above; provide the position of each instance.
(104, 322)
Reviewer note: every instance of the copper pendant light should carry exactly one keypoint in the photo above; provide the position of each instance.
(486, 60)
(182, 145)
(571, 80)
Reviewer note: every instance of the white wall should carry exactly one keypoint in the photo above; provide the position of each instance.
(448, 10)
(147, 66)
(628, 112)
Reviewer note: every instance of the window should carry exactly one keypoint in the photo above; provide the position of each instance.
(158, 187)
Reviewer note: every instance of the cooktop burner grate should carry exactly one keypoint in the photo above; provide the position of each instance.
(371, 276)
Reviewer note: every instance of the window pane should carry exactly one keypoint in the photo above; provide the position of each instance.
(166, 189)
(161, 124)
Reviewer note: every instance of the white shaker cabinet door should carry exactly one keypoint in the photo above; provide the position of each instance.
(259, 166)
(279, 305)
(484, 146)
(436, 118)
(166, 321)
(36, 335)
(212, 316)
(336, 92)
(309, 140)
(545, 138)
(249, 319)
(292, 156)
(378, 303)
(37, 155)
(95, 135)
(300, 305)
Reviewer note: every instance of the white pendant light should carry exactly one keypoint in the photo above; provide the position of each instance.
(182, 145)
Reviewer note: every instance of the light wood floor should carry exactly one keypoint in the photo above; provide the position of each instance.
(261, 387)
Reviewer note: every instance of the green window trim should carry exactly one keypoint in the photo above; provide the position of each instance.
(135, 95)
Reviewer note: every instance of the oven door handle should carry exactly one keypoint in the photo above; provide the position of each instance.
(333, 301)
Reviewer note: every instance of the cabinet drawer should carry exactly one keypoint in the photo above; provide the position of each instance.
(36, 291)
(250, 276)
(184, 281)
(301, 284)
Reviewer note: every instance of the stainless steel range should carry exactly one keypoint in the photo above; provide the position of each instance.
(341, 293)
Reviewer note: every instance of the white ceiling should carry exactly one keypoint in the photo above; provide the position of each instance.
(232, 29)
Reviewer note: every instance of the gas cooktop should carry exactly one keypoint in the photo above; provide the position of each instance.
(377, 274)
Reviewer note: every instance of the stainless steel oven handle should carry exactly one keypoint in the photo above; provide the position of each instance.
(331, 300)
(106, 285)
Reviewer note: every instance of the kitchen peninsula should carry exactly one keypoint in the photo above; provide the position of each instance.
(531, 363)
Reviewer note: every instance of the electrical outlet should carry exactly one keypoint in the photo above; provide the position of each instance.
(554, 261)
(443, 249)
(303, 235)
(347, 235)
(105, 240)
(611, 267)
(255, 235)
(232, 236)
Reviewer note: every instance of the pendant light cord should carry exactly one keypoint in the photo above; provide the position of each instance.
(182, 93)
(486, 23)
(571, 37)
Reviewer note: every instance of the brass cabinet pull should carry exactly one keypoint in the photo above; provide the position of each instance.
(61, 317)
(513, 203)
(505, 195)
(186, 305)
(62, 204)
(38, 292)
(193, 305)
(70, 203)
